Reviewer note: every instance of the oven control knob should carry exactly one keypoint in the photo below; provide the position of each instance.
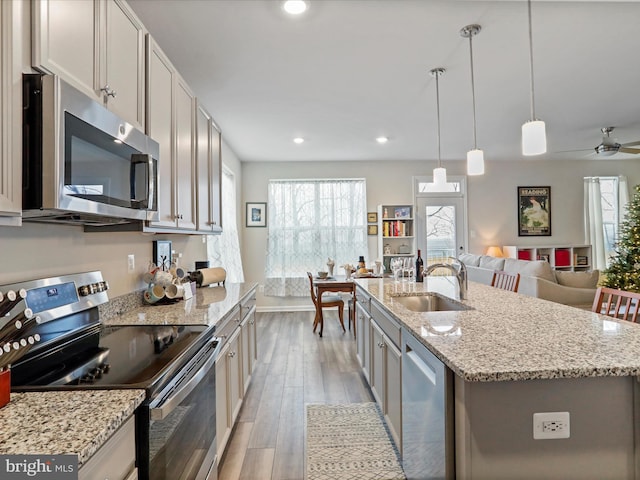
(83, 290)
(105, 368)
(87, 378)
(96, 372)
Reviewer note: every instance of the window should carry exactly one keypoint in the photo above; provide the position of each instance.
(605, 202)
(224, 250)
(309, 222)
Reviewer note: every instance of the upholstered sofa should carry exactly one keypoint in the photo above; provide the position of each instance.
(537, 278)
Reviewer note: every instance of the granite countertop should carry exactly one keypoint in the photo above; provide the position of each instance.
(206, 307)
(510, 336)
(64, 422)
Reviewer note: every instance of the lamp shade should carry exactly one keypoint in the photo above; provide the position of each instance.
(534, 138)
(475, 162)
(494, 251)
(440, 176)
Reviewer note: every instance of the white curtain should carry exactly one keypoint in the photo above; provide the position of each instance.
(310, 221)
(623, 197)
(593, 225)
(224, 250)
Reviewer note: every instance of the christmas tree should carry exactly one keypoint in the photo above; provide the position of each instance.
(624, 270)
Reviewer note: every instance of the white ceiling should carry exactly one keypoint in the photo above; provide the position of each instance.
(348, 71)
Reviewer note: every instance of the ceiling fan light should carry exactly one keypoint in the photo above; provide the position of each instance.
(475, 162)
(534, 138)
(607, 150)
(440, 176)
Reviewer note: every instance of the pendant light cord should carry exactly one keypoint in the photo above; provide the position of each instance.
(473, 94)
(533, 108)
(437, 74)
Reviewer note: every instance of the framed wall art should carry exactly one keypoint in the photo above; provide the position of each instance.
(372, 229)
(256, 214)
(534, 211)
(162, 254)
(372, 217)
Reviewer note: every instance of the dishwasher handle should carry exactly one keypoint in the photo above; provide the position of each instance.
(165, 404)
(420, 363)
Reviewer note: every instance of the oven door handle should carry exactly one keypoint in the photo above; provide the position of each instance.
(168, 404)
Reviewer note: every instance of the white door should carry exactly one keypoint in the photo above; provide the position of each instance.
(440, 227)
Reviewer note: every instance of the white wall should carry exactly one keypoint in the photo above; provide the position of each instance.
(492, 199)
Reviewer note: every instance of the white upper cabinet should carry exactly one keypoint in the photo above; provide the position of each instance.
(208, 170)
(171, 121)
(10, 113)
(185, 129)
(124, 59)
(159, 127)
(95, 45)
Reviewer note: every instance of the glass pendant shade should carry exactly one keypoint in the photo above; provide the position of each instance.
(475, 162)
(534, 138)
(440, 176)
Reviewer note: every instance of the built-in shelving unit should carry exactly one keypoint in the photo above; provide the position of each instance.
(574, 258)
(395, 232)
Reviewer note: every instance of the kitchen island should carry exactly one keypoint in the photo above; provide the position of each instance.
(511, 356)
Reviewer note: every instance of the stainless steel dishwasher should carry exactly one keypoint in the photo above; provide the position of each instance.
(427, 413)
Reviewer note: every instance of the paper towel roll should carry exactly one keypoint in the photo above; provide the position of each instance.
(207, 276)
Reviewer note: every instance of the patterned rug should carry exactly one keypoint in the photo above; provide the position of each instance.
(349, 442)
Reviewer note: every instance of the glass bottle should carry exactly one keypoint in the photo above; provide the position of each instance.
(419, 266)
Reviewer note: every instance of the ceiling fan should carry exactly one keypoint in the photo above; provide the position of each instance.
(609, 146)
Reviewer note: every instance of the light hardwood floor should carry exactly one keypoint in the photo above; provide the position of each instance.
(294, 367)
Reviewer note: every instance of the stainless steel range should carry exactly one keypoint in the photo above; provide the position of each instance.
(175, 365)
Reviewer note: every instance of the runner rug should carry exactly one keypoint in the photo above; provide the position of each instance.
(349, 441)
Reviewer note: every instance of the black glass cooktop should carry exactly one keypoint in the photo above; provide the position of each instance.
(137, 356)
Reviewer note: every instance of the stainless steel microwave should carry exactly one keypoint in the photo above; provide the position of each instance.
(82, 164)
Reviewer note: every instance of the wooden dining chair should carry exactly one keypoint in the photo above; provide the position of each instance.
(327, 301)
(505, 281)
(617, 303)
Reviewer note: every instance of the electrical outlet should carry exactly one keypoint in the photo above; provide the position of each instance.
(131, 263)
(551, 425)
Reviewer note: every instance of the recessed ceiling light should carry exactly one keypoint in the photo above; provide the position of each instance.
(298, 140)
(295, 7)
(382, 139)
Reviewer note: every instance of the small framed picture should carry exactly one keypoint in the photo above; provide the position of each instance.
(403, 212)
(372, 217)
(534, 211)
(544, 257)
(372, 229)
(162, 254)
(256, 214)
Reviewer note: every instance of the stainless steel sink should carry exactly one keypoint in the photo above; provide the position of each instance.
(428, 303)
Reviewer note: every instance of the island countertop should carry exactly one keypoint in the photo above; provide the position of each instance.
(510, 336)
(64, 422)
(206, 307)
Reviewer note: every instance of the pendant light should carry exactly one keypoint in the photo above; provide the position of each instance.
(475, 157)
(439, 173)
(534, 137)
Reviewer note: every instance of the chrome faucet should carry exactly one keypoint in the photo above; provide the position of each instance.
(459, 271)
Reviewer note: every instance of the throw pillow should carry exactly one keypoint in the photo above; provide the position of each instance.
(469, 259)
(578, 279)
(513, 265)
(492, 263)
(540, 269)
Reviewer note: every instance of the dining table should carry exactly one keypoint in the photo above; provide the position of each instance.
(333, 284)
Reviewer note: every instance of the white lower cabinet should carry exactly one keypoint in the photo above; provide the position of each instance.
(385, 379)
(228, 391)
(363, 346)
(116, 459)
